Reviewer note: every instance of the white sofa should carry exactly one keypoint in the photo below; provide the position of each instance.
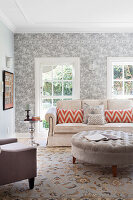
(60, 134)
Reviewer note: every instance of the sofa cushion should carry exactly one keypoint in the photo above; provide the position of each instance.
(119, 116)
(16, 147)
(119, 104)
(96, 119)
(78, 127)
(91, 110)
(95, 102)
(69, 116)
(69, 104)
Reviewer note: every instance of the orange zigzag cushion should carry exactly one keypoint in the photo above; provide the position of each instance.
(69, 116)
(119, 116)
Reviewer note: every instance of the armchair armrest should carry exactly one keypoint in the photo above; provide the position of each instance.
(7, 141)
(51, 118)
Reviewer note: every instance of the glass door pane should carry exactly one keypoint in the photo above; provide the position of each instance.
(56, 84)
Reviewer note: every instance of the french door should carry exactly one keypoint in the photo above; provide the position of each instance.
(54, 81)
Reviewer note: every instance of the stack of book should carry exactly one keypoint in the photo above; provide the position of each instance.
(34, 118)
(98, 137)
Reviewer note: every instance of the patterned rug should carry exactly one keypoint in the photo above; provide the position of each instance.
(59, 179)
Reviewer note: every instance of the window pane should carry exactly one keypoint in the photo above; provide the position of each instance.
(47, 88)
(118, 88)
(117, 71)
(128, 71)
(55, 101)
(57, 88)
(46, 103)
(67, 72)
(67, 88)
(57, 72)
(47, 73)
(128, 88)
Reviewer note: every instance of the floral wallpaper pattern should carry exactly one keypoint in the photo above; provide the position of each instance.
(90, 47)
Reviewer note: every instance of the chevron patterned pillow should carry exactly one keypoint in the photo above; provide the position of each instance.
(69, 116)
(119, 116)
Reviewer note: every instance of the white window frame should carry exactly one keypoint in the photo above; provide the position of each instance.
(110, 60)
(75, 61)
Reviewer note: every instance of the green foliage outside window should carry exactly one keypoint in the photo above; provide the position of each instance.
(47, 89)
(118, 72)
(123, 74)
(128, 72)
(56, 81)
(45, 124)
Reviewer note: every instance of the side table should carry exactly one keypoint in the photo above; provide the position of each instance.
(32, 130)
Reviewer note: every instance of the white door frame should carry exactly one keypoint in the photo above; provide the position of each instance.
(52, 61)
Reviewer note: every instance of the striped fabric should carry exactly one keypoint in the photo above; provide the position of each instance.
(119, 116)
(69, 116)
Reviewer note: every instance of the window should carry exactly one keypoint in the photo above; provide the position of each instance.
(56, 79)
(120, 77)
(57, 84)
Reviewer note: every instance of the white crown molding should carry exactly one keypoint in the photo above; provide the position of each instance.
(77, 28)
(22, 11)
(68, 27)
(7, 22)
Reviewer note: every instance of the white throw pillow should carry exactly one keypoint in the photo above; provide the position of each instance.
(96, 119)
(91, 110)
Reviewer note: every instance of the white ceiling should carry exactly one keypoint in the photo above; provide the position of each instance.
(67, 15)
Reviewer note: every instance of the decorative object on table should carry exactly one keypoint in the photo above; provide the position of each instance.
(9, 62)
(8, 79)
(97, 137)
(27, 110)
(34, 118)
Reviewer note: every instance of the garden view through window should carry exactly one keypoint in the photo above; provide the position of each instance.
(122, 80)
(57, 84)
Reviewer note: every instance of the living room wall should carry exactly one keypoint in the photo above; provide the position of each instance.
(90, 47)
(7, 117)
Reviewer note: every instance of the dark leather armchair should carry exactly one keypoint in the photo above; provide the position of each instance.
(17, 162)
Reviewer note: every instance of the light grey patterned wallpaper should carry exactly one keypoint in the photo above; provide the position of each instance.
(88, 46)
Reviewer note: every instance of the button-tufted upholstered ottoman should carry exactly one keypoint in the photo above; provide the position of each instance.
(111, 152)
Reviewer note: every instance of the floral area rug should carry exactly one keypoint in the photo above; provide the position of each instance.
(59, 179)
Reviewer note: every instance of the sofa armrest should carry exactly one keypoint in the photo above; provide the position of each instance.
(7, 141)
(51, 118)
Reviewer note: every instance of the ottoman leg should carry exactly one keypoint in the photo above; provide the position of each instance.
(114, 170)
(74, 159)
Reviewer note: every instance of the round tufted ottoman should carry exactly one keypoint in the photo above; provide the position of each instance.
(111, 152)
